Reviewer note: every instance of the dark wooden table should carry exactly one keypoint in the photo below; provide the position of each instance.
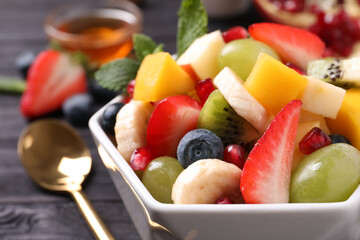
(27, 211)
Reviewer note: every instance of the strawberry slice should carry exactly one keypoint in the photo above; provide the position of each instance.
(171, 119)
(294, 45)
(266, 173)
(52, 78)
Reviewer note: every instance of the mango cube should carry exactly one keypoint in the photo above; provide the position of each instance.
(347, 121)
(273, 84)
(159, 76)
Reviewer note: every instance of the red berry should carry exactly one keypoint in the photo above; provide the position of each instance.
(314, 140)
(296, 68)
(223, 200)
(339, 31)
(126, 99)
(235, 154)
(130, 90)
(204, 88)
(140, 158)
(234, 33)
(130, 87)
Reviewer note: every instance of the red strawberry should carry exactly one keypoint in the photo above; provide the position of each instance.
(266, 173)
(171, 119)
(52, 78)
(294, 45)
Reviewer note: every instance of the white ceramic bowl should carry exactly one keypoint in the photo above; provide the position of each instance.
(155, 220)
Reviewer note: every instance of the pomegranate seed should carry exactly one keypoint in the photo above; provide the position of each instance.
(130, 87)
(204, 88)
(234, 33)
(314, 140)
(296, 68)
(126, 99)
(339, 32)
(223, 200)
(140, 158)
(235, 154)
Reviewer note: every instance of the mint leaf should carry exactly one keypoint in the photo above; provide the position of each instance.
(116, 74)
(144, 45)
(192, 23)
(12, 85)
(159, 48)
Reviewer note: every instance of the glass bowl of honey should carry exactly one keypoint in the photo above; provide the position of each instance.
(101, 31)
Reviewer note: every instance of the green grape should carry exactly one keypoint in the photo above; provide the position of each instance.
(241, 55)
(330, 174)
(159, 177)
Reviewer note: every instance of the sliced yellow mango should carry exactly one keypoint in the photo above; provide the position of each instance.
(347, 122)
(159, 76)
(273, 84)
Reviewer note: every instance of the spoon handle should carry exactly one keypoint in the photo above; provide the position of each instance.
(98, 227)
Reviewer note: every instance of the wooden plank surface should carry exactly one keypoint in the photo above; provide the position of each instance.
(27, 211)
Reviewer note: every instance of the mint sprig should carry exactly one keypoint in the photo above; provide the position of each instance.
(116, 74)
(144, 45)
(192, 24)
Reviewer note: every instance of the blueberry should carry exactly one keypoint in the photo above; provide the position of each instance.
(337, 138)
(199, 144)
(78, 109)
(108, 118)
(23, 62)
(100, 94)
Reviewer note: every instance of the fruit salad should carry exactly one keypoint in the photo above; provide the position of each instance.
(244, 116)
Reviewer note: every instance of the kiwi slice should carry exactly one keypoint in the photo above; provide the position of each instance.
(343, 73)
(220, 118)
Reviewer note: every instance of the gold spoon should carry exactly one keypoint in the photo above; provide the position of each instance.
(57, 158)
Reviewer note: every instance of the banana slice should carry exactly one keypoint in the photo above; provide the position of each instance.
(244, 104)
(130, 127)
(207, 180)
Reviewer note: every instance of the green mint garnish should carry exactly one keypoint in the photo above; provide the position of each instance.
(192, 24)
(144, 45)
(12, 85)
(116, 74)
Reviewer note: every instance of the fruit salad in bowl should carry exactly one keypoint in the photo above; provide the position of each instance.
(245, 133)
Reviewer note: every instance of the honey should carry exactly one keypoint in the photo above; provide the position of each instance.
(103, 34)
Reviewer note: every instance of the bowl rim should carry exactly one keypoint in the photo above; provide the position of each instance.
(150, 203)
